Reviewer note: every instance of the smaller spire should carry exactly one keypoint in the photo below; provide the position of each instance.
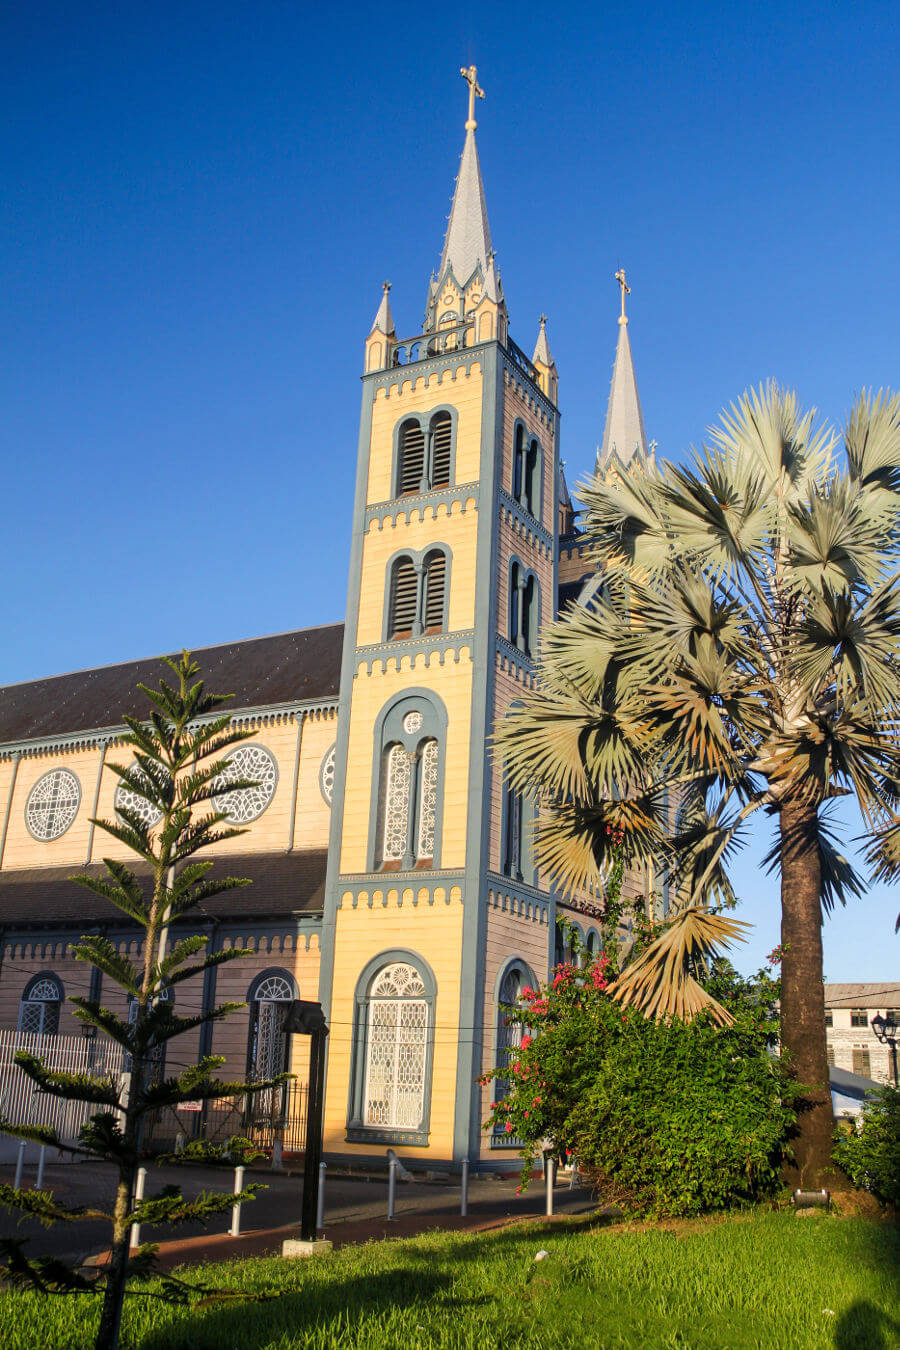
(542, 346)
(384, 322)
(624, 438)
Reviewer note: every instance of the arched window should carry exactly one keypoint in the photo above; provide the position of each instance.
(393, 1036)
(417, 594)
(526, 475)
(435, 569)
(424, 453)
(406, 821)
(441, 449)
(404, 599)
(511, 862)
(508, 1037)
(39, 1009)
(559, 945)
(156, 1059)
(269, 998)
(411, 459)
(524, 609)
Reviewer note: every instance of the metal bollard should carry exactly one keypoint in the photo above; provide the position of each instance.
(392, 1187)
(277, 1156)
(39, 1180)
(135, 1238)
(464, 1189)
(574, 1177)
(235, 1229)
(320, 1201)
(20, 1163)
(551, 1177)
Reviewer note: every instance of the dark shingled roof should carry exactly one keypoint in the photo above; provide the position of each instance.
(284, 668)
(283, 884)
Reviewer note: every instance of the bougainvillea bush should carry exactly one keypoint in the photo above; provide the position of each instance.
(667, 1118)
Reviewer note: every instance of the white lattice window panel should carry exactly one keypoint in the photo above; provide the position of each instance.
(245, 804)
(268, 1053)
(52, 804)
(274, 988)
(326, 776)
(39, 1012)
(396, 804)
(412, 722)
(128, 800)
(428, 778)
(396, 1050)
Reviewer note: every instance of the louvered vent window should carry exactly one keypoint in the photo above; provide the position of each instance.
(435, 579)
(531, 479)
(412, 459)
(518, 465)
(404, 589)
(442, 435)
(529, 616)
(514, 602)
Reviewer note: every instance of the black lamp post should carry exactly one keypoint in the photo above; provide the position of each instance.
(885, 1029)
(309, 1020)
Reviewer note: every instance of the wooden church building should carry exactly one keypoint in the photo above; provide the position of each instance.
(392, 873)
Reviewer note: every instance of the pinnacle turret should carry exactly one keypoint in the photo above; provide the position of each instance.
(384, 322)
(624, 438)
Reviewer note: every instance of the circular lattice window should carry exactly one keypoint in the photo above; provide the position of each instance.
(128, 800)
(52, 804)
(326, 776)
(245, 804)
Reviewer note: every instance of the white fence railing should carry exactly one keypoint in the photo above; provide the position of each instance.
(23, 1103)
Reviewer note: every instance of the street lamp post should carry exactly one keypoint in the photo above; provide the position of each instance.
(885, 1029)
(308, 1019)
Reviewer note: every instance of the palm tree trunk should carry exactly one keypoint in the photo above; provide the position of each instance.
(803, 993)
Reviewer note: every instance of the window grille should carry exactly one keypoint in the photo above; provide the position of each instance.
(411, 469)
(428, 777)
(39, 1010)
(326, 775)
(435, 579)
(861, 1061)
(529, 498)
(512, 844)
(396, 1045)
(859, 1017)
(829, 1020)
(156, 1056)
(269, 1043)
(518, 478)
(128, 800)
(52, 804)
(441, 443)
(514, 617)
(396, 778)
(529, 616)
(509, 1038)
(253, 762)
(404, 598)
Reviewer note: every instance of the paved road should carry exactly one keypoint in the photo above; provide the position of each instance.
(346, 1199)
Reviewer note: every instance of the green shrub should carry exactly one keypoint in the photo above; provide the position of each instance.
(670, 1118)
(235, 1152)
(870, 1154)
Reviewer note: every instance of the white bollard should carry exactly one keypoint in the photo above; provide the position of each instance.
(574, 1177)
(392, 1187)
(320, 1200)
(39, 1181)
(235, 1229)
(464, 1189)
(551, 1177)
(135, 1239)
(20, 1163)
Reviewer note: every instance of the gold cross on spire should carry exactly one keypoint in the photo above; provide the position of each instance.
(470, 75)
(626, 290)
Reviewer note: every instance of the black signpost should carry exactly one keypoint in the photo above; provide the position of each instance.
(308, 1019)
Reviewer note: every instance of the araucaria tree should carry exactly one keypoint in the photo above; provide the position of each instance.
(742, 655)
(177, 772)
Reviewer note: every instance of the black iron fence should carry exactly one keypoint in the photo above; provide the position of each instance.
(265, 1118)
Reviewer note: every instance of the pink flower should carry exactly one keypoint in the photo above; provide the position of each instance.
(537, 1101)
(525, 1042)
(509, 1127)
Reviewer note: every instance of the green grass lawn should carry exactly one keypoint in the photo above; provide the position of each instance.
(770, 1280)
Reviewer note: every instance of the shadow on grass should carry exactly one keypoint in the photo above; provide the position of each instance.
(303, 1312)
(865, 1327)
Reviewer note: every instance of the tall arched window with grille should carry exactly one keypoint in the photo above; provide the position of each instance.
(526, 471)
(393, 1038)
(507, 1039)
(40, 1005)
(410, 735)
(268, 1048)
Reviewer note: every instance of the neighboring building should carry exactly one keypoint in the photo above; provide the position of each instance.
(391, 867)
(852, 1044)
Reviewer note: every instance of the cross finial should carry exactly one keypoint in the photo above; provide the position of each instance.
(626, 290)
(386, 287)
(543, 320)
(470, 75)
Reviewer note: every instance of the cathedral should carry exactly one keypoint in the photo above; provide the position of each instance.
(393, 877)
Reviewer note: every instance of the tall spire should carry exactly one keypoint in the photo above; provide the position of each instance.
(624, 438)
(468, 239)
(384, 322)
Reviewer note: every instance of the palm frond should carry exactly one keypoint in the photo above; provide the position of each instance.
(659, 983)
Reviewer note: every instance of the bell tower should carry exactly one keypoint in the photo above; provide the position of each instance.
(432, 902)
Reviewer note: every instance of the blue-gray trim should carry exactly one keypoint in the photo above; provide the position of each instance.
(420, 505)
(426, 421)
(357, 1131)
(432, 644)
(417, 557)
(281, 972)
(532, 527)
(321, 774)
(388, 728)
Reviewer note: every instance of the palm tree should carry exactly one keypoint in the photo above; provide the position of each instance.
(741, 655)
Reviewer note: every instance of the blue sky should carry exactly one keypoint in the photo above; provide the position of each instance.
(198, 205)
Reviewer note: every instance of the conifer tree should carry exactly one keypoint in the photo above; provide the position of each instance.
(179, 771)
